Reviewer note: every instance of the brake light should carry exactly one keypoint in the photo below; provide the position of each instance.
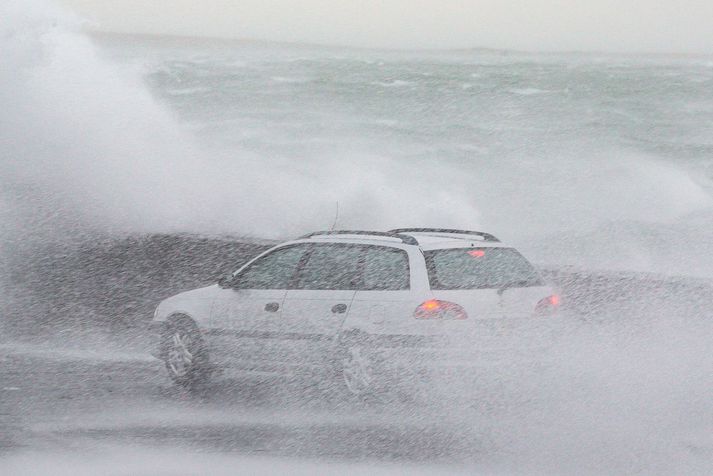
(548, 305)
(443, 310)
(477, 253)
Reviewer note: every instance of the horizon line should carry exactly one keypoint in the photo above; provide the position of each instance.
(226, 39)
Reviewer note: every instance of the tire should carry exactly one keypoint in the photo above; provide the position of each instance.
(356, 372)
(185, 355)
(376, 382)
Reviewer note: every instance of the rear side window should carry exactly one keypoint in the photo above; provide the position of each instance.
(331, 266)
(385, 269)
(479, 268)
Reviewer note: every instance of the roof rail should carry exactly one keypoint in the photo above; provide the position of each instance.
(485, 236)
(406, 239)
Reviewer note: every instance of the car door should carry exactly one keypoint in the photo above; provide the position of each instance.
(315, 308)
(245, 318)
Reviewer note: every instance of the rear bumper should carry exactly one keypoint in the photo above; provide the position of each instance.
(491, 345)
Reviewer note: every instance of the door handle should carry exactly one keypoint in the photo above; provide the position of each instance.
(272, 307)
(339, 308)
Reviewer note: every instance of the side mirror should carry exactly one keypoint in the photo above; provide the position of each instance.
(225, 281)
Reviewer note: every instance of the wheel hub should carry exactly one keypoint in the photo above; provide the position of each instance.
(357, 371)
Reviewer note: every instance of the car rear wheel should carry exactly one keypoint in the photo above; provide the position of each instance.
(357, 371)
(185, 355)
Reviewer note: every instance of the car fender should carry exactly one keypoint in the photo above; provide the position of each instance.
(196, 304)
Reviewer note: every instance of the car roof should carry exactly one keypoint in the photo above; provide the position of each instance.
(426, 240)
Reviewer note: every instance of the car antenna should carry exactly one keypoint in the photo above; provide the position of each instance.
(336, 217)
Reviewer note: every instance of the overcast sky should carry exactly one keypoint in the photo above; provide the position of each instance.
(682, 26)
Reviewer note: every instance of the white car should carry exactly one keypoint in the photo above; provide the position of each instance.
(355, 305)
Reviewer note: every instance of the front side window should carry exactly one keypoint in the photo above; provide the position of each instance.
(331, 266)
(479, 268)
(385, 269)
(272, 271)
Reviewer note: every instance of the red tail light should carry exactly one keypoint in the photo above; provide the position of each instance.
(548, 305)
(435, 309)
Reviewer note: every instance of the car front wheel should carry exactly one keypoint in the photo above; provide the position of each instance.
(185, 355)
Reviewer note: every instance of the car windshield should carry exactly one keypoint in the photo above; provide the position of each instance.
(479, 268)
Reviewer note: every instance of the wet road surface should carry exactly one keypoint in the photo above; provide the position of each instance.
(68, 401)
